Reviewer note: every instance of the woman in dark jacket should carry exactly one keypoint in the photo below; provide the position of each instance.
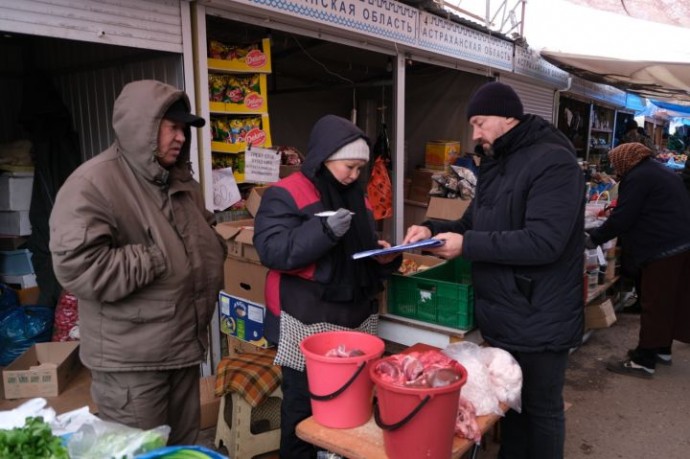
(652, 219)
(313, 285)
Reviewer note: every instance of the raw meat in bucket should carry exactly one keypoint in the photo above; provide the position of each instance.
(343, 351)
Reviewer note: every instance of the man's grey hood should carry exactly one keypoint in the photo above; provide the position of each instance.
(137, 116)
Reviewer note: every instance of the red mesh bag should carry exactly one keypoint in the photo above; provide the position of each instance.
(380, 191)
(66, 325)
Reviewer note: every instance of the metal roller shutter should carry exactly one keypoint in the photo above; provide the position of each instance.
(535, 99)
(148, 24)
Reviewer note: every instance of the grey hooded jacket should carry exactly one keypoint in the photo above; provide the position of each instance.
(135, 245)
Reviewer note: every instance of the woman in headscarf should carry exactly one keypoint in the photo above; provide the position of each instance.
(652, 219)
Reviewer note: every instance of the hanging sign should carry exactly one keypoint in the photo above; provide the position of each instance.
(387, 19)
(225, 190)
(261, 165)
(528, 62)
(451, 39)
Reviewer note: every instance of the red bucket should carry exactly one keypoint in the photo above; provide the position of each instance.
(340, 388)
(417, 421)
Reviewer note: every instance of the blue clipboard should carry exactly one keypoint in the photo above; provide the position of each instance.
(426, 243)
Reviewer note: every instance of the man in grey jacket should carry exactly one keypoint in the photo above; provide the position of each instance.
(131, 238)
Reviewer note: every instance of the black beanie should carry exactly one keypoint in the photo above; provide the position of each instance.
(495, 99)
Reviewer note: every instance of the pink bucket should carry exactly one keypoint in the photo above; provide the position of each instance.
(417, 422)
(340, 388)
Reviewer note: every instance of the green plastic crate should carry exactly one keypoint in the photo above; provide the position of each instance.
(440, 295)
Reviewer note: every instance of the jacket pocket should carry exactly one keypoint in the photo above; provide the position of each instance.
(67, 238)
(139, 310)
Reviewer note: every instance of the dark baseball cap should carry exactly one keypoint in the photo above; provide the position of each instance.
(179, 112)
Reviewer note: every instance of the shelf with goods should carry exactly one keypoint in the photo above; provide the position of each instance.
(238, 101)
(601, 136)
(232, 94)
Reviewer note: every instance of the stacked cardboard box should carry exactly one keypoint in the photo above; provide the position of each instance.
(15, 201)
(242, 303)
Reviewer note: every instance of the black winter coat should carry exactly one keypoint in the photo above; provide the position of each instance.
(295, 244)
(651, 217)
(524, 234)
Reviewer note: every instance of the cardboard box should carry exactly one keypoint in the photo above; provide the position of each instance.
(419, 262)
(28, 295)
(440, 154)
(209, 402)
(19, 282)
(12, 242)
(420, 185)
(599, 315)
(254, 199)
(242, 318)
(446, 209)
(245, 279)
(15, 223)
(253, 61)
(15, 190)
(238, 236)
(44, 370)
(236, 102)
(16, 262)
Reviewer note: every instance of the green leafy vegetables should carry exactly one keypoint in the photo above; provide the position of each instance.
(33, 441)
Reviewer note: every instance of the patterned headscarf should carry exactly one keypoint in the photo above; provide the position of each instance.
(626, 156)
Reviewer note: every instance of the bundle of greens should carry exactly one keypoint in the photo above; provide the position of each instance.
(33, 441)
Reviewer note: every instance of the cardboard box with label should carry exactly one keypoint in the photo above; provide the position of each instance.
(599, 315)
(44, 370)
(242, 318)
(440, 154)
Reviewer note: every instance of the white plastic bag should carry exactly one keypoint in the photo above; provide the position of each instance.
(478, 388)
(493, 377)
(109, 440)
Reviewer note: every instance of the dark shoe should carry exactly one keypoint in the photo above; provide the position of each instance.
(662, 359)
(630, 368)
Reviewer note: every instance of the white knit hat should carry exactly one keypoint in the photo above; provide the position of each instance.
(359, 149)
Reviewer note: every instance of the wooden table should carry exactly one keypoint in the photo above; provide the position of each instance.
(366, 441)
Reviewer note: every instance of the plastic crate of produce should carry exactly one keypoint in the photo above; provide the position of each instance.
(440, 295)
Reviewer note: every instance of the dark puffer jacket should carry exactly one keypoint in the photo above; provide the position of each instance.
(294, 244)
(524, 235)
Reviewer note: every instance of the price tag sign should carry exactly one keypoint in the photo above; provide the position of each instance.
(225, 190)
(261, 165)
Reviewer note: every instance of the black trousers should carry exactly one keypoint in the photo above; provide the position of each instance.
(538, 432)
(665, 300)
(296, 407)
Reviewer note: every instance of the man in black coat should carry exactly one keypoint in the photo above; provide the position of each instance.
(524, 234)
